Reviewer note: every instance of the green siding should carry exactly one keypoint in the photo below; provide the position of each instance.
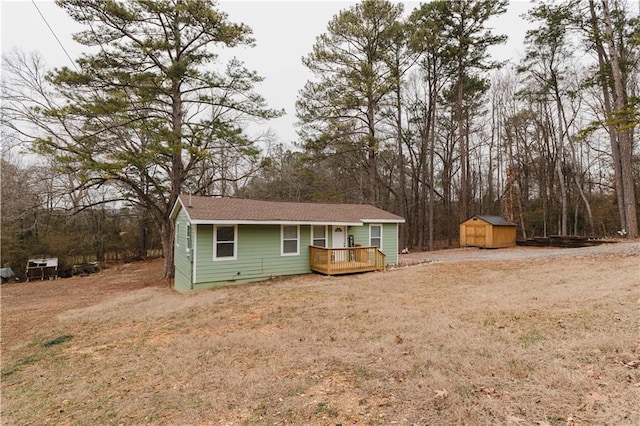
(258, 256)
(390, 242)
(360, 234)
(389, 239)
(182, 280)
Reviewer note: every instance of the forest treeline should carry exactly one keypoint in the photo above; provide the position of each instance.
(407, 110)
(37, 219)
(413, 114)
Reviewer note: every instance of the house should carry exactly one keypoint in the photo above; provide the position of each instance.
(220, 241)
(487, 232)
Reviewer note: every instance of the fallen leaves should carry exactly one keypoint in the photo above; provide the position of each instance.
(493, 393)
(597, 397)
(442, 393)
(570, 421)
(593, 400)
(513, 419)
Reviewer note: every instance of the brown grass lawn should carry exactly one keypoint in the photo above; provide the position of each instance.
(531, 341)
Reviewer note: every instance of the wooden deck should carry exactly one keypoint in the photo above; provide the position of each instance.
(335, 261)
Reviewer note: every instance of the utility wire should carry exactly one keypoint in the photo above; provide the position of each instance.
(54, 35)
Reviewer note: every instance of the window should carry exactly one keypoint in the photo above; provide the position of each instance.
(178, 234)
(188, 237)
(225, 242)
(290, 239)
(375, 236)
(319, 235)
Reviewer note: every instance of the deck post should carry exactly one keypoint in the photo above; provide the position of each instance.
(329, 254)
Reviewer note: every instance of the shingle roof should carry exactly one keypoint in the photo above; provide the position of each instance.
(495, 220)
(212, 209)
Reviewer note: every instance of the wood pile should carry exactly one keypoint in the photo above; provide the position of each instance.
(563, 241)
(85, 269)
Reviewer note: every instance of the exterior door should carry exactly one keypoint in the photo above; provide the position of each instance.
(339, 240)
(476, 235)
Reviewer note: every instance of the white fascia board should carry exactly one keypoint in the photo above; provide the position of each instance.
(333, 223)
(383, 220)
(269, 222)
(176, 209)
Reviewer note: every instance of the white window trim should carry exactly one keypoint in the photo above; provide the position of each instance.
(326, 234)
(177, 234)
(189, 237)
(381, 230)
(282, 253)
(215, 243)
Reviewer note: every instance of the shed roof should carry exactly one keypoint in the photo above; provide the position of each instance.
(240, 210)
(43, 260)
(495, 220)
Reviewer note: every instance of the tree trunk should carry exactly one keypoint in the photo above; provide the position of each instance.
(372, 150)
(560, 159)
(432, 191)
(401, 171)
(177, 178)
(577, 180)
(433, 105)
(608, 110)
(142, 235)
(624, 135)
(166, 237)
(464, 152)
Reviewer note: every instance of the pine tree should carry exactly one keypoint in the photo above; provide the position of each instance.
(341, 111)
(145, 109)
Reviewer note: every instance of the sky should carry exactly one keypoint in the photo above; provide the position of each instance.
(284, 31)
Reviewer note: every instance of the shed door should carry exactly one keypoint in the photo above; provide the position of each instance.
(476, 235)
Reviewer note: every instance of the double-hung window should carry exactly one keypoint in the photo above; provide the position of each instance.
(319, 235)
(375, 236)
(225, 242)
(290, 240)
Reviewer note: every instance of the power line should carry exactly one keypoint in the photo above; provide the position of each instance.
(54, 35)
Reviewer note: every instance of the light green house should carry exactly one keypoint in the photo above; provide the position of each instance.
(222, 241)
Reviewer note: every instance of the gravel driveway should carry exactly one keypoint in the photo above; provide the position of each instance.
(623, 248)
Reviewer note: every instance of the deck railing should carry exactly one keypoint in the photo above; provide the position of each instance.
(348, 260)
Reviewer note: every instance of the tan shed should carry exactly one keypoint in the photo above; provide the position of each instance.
(487, 232)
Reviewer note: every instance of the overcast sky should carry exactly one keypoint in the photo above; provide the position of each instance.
(285, 31)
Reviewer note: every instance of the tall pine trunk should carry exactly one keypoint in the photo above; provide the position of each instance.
(608, 110)
(624, 135)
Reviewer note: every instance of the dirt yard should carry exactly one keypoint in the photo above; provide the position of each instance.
(522, 336)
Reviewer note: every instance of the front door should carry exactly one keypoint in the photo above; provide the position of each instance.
(339, 240)
(339, 234)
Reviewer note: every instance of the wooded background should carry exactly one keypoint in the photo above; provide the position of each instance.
(407, 111)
